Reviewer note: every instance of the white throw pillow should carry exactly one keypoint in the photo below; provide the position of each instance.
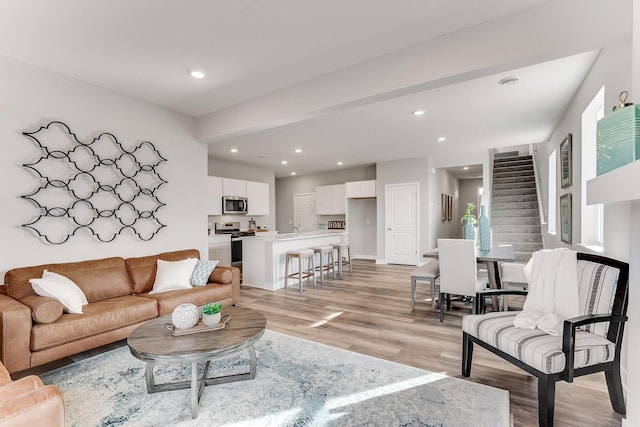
(173, 275)
(61, 288)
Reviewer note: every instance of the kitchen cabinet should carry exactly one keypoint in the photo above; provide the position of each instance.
(258, 196)
(234, 187)
(330, 200)
(360, 189)
(220, 248)
(214, 195)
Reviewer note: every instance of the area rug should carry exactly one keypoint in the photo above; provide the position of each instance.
(298, 383)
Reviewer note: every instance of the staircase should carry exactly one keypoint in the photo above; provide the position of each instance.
(515, 217)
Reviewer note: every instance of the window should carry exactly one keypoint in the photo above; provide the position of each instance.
(551, 215)
(592, 229)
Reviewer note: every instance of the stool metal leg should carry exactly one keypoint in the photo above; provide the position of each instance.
(286, 271)
(300, 272)
(312, 261)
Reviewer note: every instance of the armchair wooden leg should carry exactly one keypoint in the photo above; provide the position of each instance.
(467, 354)
(614, 384)
(546, 400)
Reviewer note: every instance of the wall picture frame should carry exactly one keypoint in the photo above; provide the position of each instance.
(566, 162)
(443, 208)
(565, 218)
(449, 207)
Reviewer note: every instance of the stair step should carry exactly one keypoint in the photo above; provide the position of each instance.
(515, 220)
(516, 237)
(513, 192)
(513, 198)
(515, 228)
(512, 161)
(514, 174)
(514, 185)
(522, 257)
(515, 168)
(526, 247)
(514, 180)
(515, 213)
(509, 206)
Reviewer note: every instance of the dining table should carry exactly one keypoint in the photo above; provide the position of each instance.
(499, 252)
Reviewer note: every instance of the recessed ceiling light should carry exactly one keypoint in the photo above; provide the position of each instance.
(339, 163)
(418, 112)
(234, 150)
(441, 139)
(196, 74)
(298, 150)
(284, 162)
(466, 168)
(508, 81)
(293, 173)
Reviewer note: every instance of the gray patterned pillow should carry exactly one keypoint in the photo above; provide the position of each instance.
(201, 273)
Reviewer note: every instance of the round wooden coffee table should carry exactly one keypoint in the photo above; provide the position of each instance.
(153, 343)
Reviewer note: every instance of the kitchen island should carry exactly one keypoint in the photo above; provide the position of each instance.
(263, 257)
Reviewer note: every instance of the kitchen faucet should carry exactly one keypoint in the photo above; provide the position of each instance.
(298, 228)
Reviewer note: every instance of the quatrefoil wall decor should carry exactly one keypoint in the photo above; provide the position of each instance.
(95, 186)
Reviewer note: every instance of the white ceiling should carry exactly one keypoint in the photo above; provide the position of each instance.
(252, 49)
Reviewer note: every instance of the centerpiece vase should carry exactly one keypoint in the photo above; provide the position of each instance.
(468, 232)
(484, 229)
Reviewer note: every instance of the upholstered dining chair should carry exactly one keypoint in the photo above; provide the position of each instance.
(458, 271)
(590, 343)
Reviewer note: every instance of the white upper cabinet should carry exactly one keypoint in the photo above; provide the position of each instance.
(234, 187)
(258, 197)
(330, 200)
(360, 189)
(214, 195)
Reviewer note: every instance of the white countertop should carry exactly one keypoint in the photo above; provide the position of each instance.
(295, 236)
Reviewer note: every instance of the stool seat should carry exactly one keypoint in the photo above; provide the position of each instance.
(322, 248)
(299, 252)
(428, 272)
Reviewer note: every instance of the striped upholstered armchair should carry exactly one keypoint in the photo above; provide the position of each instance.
(590, 343)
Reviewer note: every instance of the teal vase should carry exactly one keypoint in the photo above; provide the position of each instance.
(484, 230)
(468, 232)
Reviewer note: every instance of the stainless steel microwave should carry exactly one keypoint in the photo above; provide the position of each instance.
(233, 205)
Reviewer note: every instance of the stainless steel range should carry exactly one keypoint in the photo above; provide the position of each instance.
(233, 228)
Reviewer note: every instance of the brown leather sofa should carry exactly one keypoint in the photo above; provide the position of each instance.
(27, 402)
(33, 333)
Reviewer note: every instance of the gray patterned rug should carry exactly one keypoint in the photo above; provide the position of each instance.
(298, 383)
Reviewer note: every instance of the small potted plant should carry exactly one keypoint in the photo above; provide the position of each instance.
(211, 313)
(469, 221)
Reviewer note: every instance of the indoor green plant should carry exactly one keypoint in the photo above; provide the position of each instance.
(469, 221)
(211, 313)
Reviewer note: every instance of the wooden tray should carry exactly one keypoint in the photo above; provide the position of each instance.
(200, 327)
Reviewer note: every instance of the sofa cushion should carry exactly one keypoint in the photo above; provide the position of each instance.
(99, 316)
(43, 309)
(198, 295)
(142, 270)
(98, 279)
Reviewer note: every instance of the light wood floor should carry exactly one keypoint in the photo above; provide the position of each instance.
(369, 312)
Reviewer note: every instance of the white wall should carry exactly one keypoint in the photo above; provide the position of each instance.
(235, 170)
(287, 187)
(32, 97)
(442, 182)
(612, 69)
(468, 194)
(362, 226)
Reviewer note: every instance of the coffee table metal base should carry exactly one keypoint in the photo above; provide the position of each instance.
(197, 384)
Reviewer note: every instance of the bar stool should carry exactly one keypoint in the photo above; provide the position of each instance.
(326, 253)
(344, 256)
(301, 255)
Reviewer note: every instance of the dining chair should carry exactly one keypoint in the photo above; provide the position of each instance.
(458, 271)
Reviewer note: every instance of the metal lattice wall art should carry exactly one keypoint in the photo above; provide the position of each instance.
(97, 186)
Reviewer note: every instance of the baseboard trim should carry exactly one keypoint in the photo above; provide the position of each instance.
(372, 257)
(381, 261)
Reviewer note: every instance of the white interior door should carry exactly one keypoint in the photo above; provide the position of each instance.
(304, 211)
(401, 223)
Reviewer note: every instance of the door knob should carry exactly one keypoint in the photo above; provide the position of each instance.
(388, 229)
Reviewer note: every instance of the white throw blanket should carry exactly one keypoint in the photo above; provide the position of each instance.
(553, 291)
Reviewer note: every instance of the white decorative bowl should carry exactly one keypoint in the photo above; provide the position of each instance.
(211, 319)
(185, 316)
